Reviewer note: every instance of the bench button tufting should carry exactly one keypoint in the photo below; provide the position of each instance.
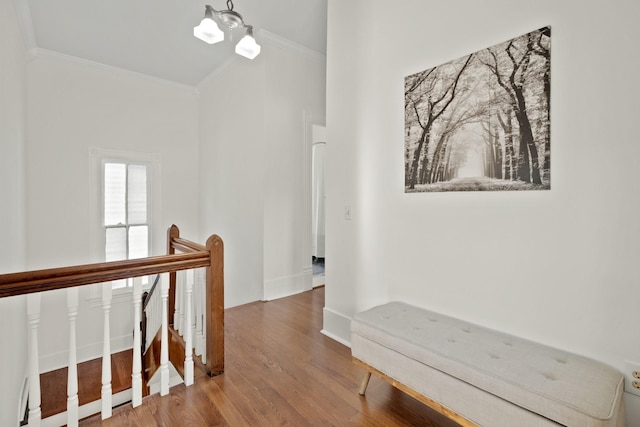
(494, 356)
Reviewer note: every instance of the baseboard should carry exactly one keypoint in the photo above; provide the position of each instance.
(318, 280)
(287, 286)
(632, 408)
(337, 326)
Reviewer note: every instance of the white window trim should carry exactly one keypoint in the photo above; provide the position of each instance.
(98, 157)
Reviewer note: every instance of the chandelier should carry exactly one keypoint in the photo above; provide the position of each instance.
(208, 30)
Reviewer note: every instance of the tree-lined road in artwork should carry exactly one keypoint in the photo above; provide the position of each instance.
(487, 111)
(480, 183)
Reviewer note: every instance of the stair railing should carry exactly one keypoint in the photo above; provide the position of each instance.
(191, 256)
(213, 308)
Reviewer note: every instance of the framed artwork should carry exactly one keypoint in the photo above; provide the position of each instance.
(481, 122)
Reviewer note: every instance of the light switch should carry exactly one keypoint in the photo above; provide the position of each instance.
(347, 213)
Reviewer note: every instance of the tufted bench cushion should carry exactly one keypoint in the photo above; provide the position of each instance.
(552, 384)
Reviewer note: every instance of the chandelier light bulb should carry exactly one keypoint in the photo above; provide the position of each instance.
(208, 31)
(248, 47)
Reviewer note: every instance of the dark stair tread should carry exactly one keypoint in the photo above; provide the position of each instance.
(53, 385)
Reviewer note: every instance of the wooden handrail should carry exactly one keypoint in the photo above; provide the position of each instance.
(186, 245)
(59, 278)
(191, 255)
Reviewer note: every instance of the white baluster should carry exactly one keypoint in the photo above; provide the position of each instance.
(136, 375)
(204, 314)
(188, 349)
(106, 353)
(180, 291)
(197, 329)
(164, 346)
(72, 371)
(176, 306)
(33, 315)
(201, 301)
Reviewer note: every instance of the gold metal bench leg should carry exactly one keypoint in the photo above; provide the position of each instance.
(365, 382)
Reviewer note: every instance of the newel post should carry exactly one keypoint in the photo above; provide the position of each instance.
(215, 306)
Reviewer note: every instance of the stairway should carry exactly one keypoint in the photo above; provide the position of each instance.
(197, 309)
(54, 386)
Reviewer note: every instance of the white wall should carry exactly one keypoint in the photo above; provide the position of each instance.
(12, 250)
(74, 106)
(240, 150)
(554, 266)
(12, 139)
(252, 167)
(231, 123)
(295, 98)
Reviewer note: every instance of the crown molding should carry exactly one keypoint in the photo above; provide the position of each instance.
(50, 54)
(23, 13)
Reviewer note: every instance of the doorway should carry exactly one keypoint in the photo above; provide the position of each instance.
(318, 198)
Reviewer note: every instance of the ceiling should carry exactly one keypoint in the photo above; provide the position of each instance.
(155, 37)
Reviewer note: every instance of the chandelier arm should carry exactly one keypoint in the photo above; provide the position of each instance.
(217, 12)
(230, 18)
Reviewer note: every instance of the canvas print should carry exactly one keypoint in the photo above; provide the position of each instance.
(481, 122)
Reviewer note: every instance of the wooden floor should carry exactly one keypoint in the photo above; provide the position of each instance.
(280, 370)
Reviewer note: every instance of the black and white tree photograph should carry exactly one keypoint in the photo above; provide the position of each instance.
(481, 122)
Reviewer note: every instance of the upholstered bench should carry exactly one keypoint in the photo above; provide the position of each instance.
(478, 376)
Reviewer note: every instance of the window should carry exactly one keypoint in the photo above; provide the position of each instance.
(125, 206)
(125, 212)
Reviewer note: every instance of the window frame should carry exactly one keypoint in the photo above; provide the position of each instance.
(99, 157)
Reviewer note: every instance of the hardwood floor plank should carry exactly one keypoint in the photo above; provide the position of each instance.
(280, 370)
(224, 394)
(295, 379)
